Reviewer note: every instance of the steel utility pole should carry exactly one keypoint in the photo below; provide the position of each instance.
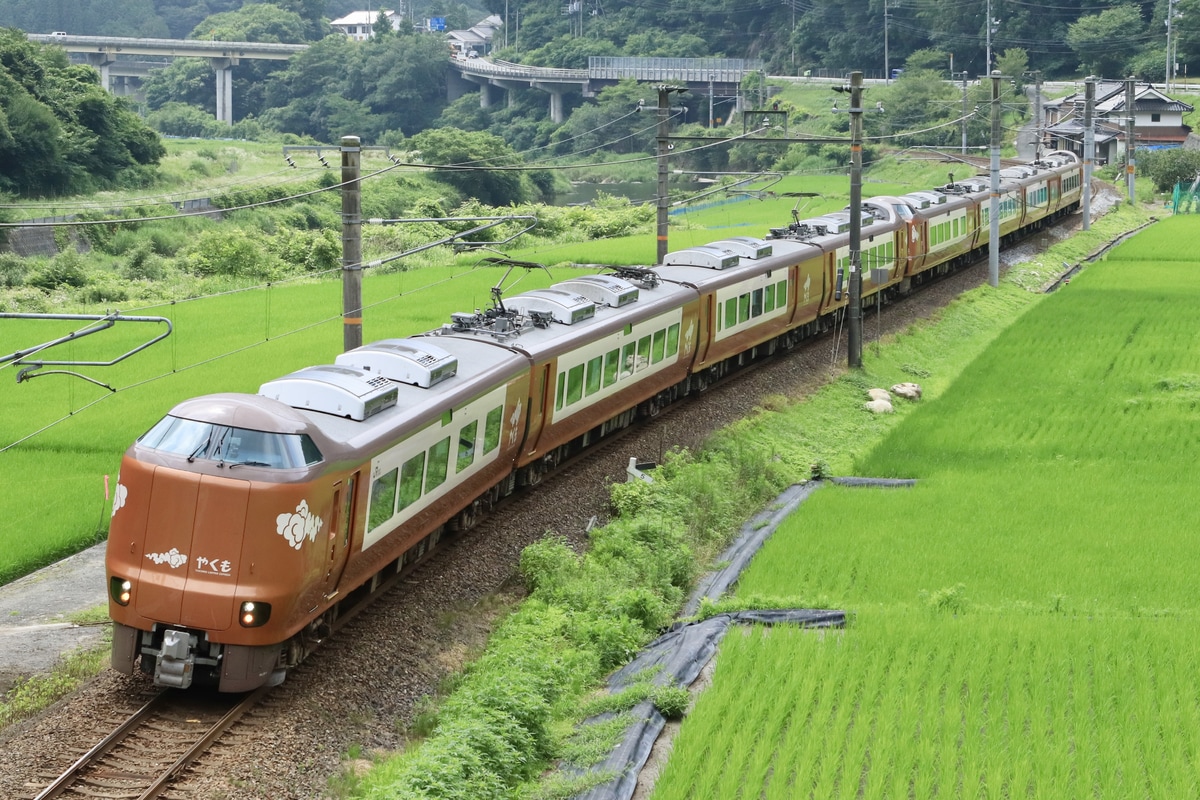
(964, 113)
(854, 324)
(887, 72)
(664, 102)
(1089, 147)
(1129, 137)
(351, 244)
(994, 202)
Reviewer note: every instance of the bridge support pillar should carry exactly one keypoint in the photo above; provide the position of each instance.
(224, 69)
(556, 107)
(101, 62)
(456, 85)
(487, 95)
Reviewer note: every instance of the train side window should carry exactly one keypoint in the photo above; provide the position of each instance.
(574, 384)
(769, 299)
(439, 458)
(491, 429)
(731, 312)
(612, 363)
(560, 394)
(756, 303)
(466, 445)
(308, 447)
(744, 308)
(594, 368)
(410, 481)
(383, 499)
(628, 361)
(658, 347)
(672, 340)
(643, 353)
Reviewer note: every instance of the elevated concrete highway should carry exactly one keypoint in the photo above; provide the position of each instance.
(111, 56)
(716, 77)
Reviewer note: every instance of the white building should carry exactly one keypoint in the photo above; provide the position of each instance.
(360, 25)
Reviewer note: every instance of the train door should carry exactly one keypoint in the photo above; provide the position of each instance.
(338, 544)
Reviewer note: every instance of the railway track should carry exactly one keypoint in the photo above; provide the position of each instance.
(146, 752)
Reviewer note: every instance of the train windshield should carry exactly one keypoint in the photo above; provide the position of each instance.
(231, 446)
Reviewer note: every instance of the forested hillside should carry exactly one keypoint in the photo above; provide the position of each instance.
(393, 87)
(1067, 38)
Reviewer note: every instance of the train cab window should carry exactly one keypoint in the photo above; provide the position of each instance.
(231, 446)
(612, 363)
(466, 446)
(643, 354)
(628, 359)
(574, 384)
(383, 499)
(491, 429)
(658, 346)
(410, 481)
(672, 340)
(591, 384)
(756, 303)
(731, 312)
(439, 457)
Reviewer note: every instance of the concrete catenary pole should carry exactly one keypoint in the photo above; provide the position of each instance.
(1089, 147)
(994, 202)
(854, 322)
(1130, 144)
(351, 244)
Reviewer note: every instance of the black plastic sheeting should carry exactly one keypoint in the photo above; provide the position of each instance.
(680, 654)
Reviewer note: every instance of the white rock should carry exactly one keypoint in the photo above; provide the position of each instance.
(878, 407)
(879, 394)
(910, 390)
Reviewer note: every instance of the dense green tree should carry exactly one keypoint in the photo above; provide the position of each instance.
(612, 123)
(1104, 42)
(463, 158)
(184, 80)
(60, 131)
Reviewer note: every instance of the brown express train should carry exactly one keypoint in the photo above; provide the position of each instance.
(243, 524)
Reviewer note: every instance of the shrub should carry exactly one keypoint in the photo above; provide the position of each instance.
(65, 269)
(229, 254)
(672, 701)
(13, 270)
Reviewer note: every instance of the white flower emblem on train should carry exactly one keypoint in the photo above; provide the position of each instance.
(172, 558)
(298, 525)
(119, 496)
(688, 337)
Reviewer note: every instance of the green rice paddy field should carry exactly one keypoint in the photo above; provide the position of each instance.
(1026, 620)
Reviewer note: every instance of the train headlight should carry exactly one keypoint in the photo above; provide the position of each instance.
(120, 590)
(253, 614)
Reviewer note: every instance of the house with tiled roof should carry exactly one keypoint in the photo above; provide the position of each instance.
(1157, 121)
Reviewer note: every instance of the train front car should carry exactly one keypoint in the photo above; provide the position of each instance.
(217, 546)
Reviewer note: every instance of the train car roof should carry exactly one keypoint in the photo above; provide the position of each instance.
(553, 335)
(482, 365)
